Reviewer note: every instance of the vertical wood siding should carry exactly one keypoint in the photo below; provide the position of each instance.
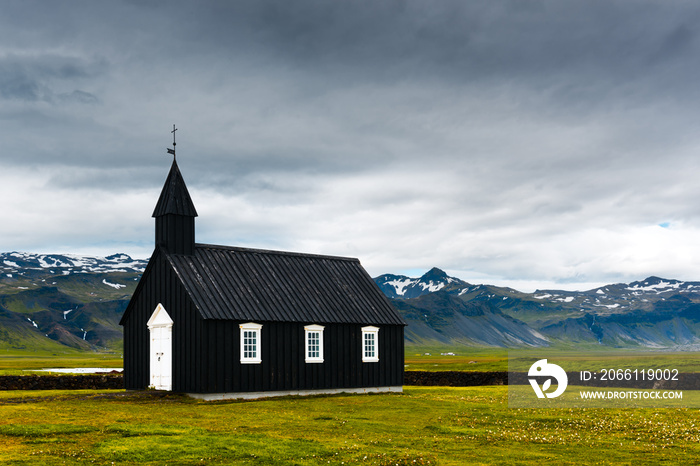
(175, 233)
(283, 365)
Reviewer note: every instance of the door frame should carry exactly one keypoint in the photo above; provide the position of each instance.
(160, 376)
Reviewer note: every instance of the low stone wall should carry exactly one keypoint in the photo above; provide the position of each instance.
(62, 382)
(455, 378)
(420, 378)
(116, 381)
(472, 379)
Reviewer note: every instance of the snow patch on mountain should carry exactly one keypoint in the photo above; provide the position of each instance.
(660, 287)
(113, 285)
(400, 285)
(431, 286)
(67, 264)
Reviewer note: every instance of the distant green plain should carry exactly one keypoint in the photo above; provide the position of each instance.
(570, 359)
(21, 362)
(15, 362)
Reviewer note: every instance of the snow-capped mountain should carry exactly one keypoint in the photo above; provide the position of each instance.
(66, 264)
(622, 296)
(606, 299)
(652, 313)
(403, 287)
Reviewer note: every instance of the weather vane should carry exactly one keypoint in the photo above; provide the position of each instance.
(172, 151)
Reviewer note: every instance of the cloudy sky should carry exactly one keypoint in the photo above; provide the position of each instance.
(529, 143)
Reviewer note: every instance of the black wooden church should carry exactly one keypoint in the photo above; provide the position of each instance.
(229, 322)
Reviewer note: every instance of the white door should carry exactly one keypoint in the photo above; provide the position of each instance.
(160, 327)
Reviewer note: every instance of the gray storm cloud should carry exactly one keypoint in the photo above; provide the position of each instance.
(540, 141)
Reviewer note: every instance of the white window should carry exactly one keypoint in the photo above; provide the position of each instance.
(370, 344)
(250, 343)
(313, 343)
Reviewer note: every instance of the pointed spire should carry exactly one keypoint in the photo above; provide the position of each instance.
(175, 213)
(174, 198)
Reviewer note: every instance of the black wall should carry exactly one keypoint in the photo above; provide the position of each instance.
(283, 366)
(175, 233)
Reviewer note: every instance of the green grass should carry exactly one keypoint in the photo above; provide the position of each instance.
(611, 359)
(497, 359)
(26, 341)
(19, 362)
(447, 426)
(430, 358)
(14, 362)
(425, 425)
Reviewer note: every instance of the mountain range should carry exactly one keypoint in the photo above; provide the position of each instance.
(51, 302)
(651, 313)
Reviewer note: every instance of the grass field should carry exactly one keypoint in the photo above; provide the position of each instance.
(15, 362)
(497, 359)
(436, 425)
(446, 426)
(464, 359)
(19, 362)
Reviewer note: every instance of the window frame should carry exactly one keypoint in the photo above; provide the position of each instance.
(308, 330)
(374, 333)
(257, 348)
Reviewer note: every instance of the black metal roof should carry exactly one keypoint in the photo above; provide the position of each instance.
(260, 285)
(174, 198)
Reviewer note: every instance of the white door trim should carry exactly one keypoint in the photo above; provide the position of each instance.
(160, 328)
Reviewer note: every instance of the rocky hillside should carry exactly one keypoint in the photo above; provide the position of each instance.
(49, 301)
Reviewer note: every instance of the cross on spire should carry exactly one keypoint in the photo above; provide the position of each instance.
(172, 151)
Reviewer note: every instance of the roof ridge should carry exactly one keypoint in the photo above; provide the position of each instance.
(274, 252)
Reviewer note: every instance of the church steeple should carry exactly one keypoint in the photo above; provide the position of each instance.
(174, 214)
